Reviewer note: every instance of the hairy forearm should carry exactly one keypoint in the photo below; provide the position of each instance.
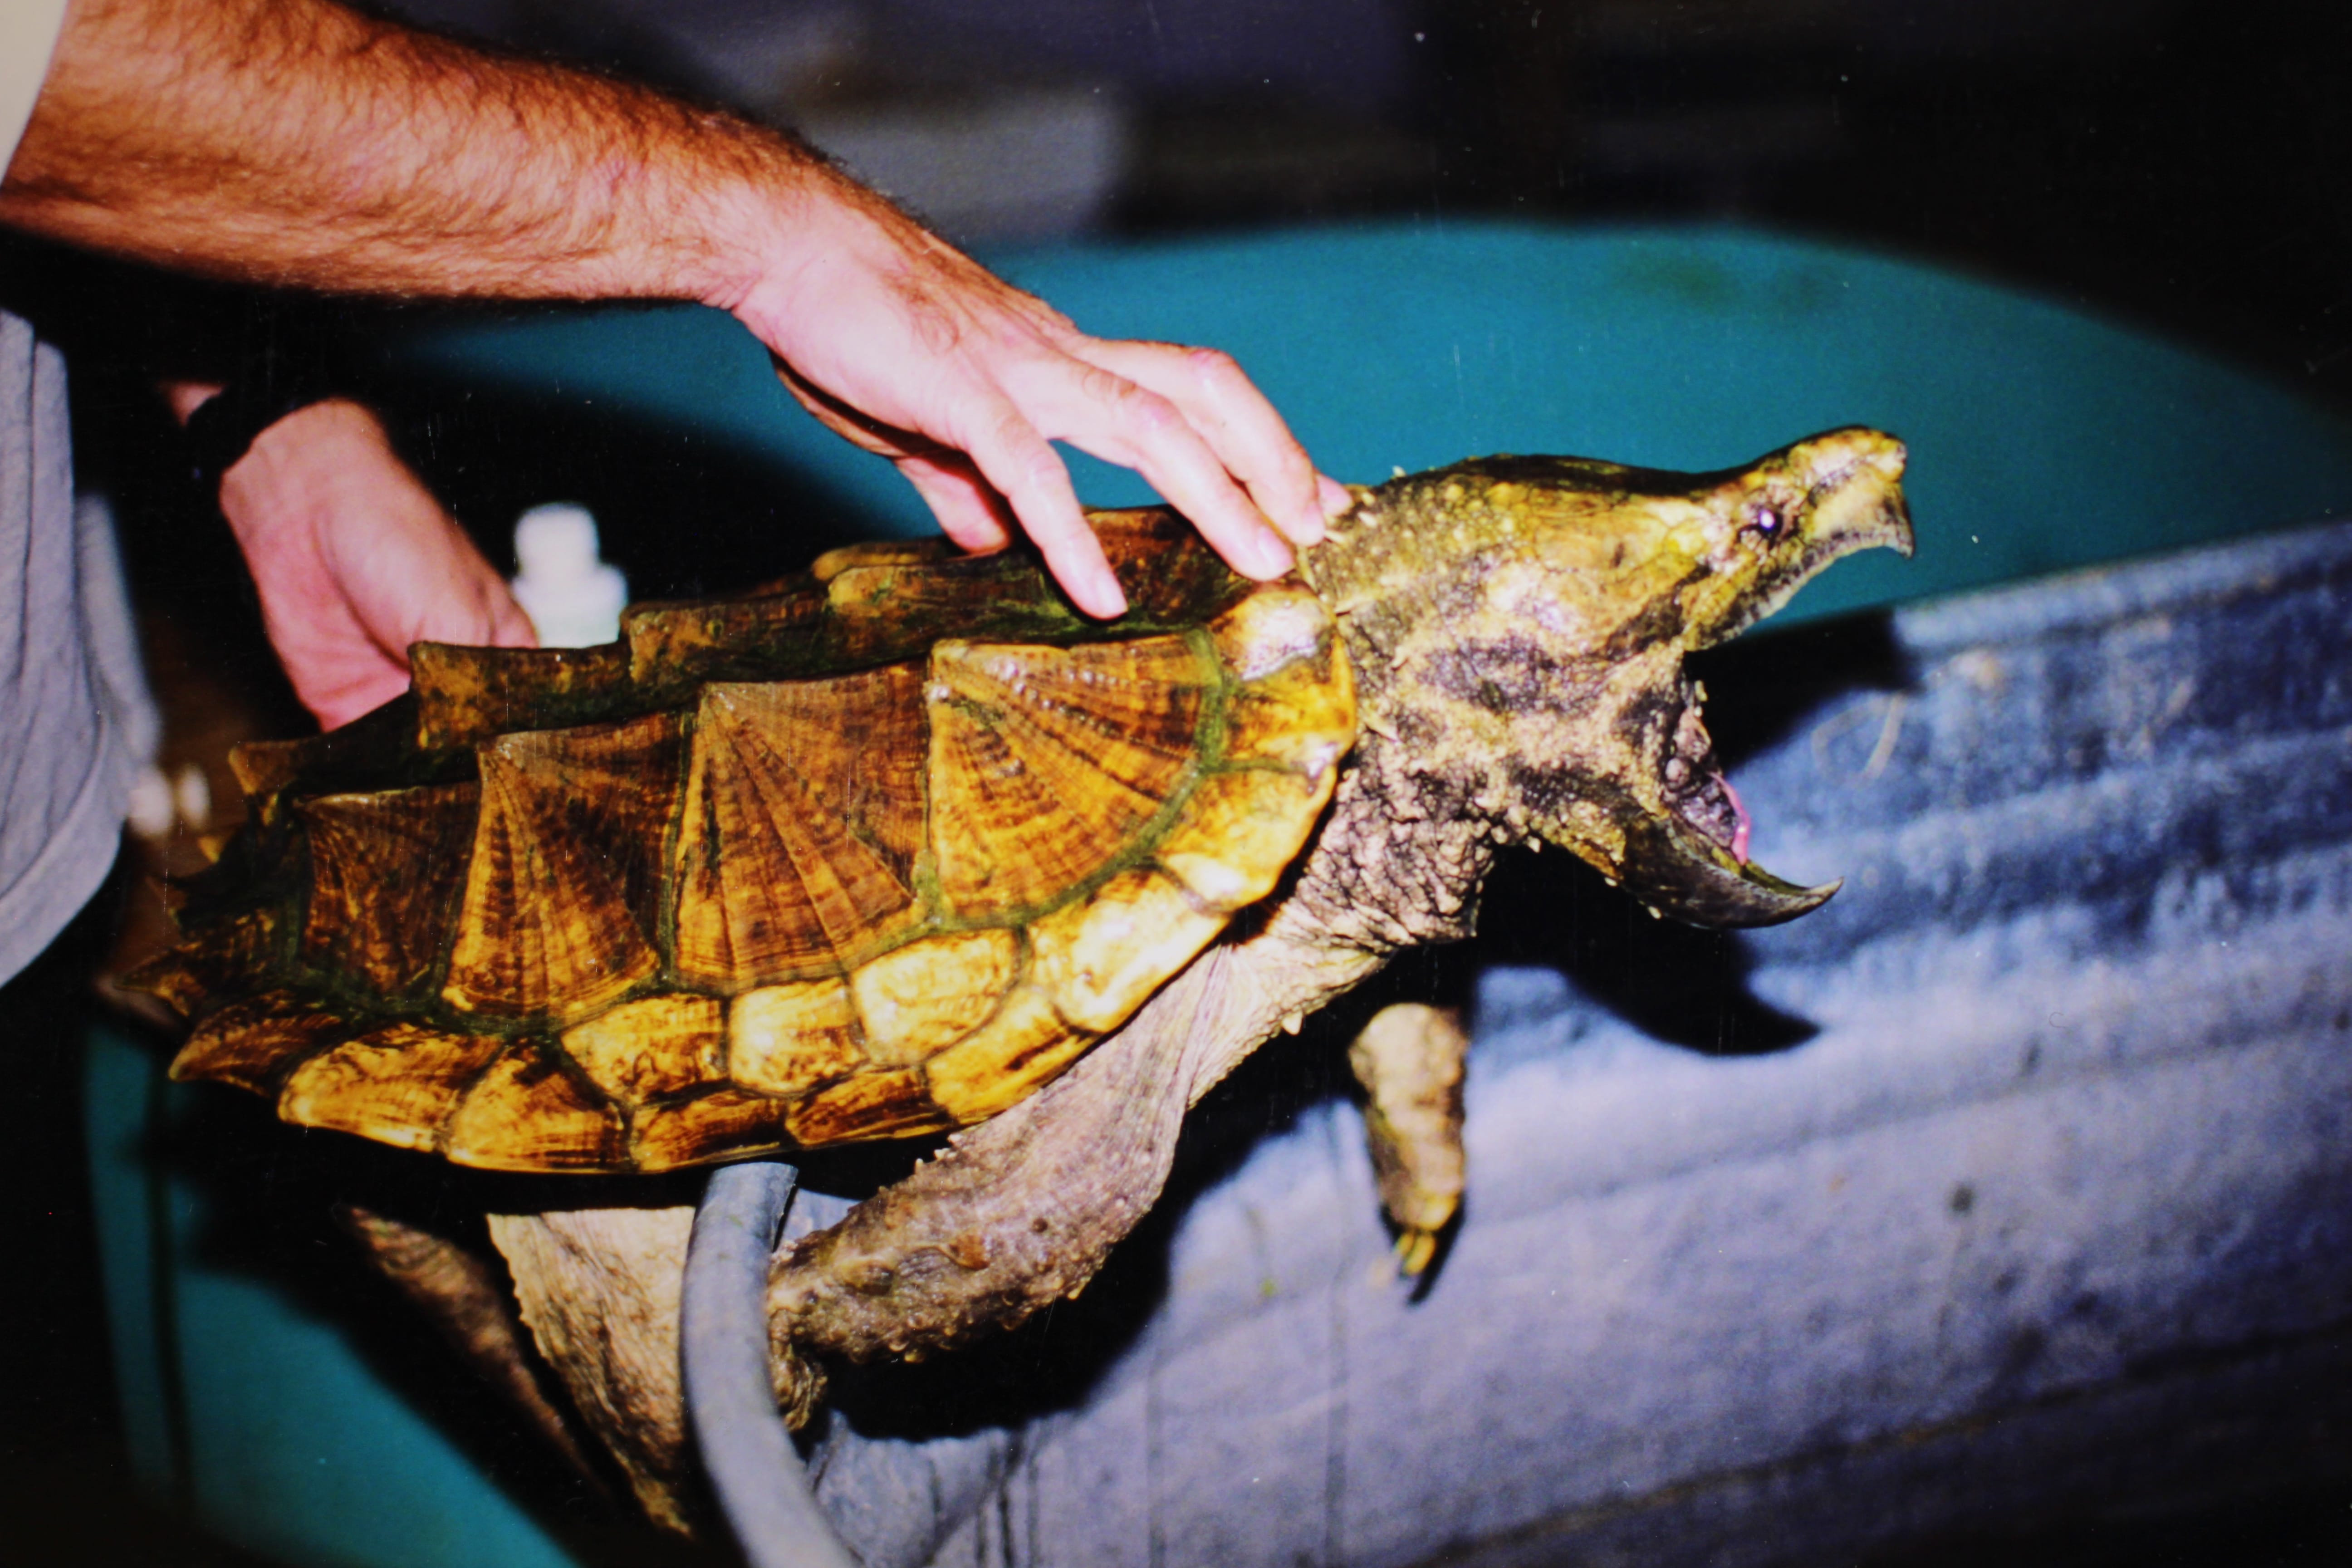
(295, 142)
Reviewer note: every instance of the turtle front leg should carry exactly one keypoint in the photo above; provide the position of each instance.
(1409, 1060)
(1013, 1214)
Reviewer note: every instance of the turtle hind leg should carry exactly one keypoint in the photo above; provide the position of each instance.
(1409, 1060)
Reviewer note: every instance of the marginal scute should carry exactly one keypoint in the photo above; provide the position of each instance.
(563, 891)
(929, 993)
(368, 754)
(1274, 626)
(1046, 763)
(1020, 1049)
(231, 954)
(655, 1045)
(170, 978)
(1098, 959)
(787, 1040)
(384, 872)
(262, 768)
(705, 1127)
(1167, 574)
(1302, 716)
(802, 820)
(871, 1105)
(525, 1113)
(397, 1084)
(1240, 831)
(879, 611)
(251, 1042)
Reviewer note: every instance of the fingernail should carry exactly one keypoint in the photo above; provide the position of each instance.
(1272, 554)
(1110, 598)
(1333, 495)
(1308, 527)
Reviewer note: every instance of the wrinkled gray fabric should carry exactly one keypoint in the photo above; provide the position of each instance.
(28, 34)
(75, 721)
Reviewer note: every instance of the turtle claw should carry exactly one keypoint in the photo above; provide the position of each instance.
(1415, 1249)
(1680, 873)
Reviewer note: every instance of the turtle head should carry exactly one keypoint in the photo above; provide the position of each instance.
(1519, 626)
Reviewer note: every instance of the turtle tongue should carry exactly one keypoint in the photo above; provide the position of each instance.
(1739, 813)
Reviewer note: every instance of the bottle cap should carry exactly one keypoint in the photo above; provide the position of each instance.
(573, 597)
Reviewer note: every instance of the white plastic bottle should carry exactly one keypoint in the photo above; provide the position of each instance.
(572, 596)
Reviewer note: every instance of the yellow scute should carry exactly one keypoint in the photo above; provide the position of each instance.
(656, 1045)
(1301, 715)
(787, 1040)
(932, 992)
(1098, 959)
(397, 1084)
(1271, 628)
(871, 1105)
(688, 1132)
(1017, 1052)
(1240, 831)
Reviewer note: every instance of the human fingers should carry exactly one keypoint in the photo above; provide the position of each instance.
(1011, 454)
(1116, 419)
(903, 345)
(453, 595)
(969, 509)
(845, 419)
(403, 574)
(1220, 402)
(409, 573)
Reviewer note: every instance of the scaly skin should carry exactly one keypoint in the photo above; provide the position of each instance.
(1517, 628)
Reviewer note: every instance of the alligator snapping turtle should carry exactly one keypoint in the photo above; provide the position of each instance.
(883, 851)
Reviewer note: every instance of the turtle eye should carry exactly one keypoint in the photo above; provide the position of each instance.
(1764, 519)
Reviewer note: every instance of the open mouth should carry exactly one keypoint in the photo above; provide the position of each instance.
(1690, 860)
(1696, 789)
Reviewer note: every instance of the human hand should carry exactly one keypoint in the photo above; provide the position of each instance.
(353, 559)
(906, 346)
(301, 142)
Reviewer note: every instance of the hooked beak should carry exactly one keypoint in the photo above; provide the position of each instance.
(1680, 872)
(1691, 860)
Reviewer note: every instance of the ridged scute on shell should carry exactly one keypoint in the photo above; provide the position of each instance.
(871, 854)
(803, 816)
(397, 1084)
(565, 884)
(384, 872)
(1046, 763)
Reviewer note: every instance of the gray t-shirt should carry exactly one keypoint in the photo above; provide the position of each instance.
(28, 34)
(76, 724)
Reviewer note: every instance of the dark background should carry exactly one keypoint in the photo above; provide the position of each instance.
(2181, 164)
